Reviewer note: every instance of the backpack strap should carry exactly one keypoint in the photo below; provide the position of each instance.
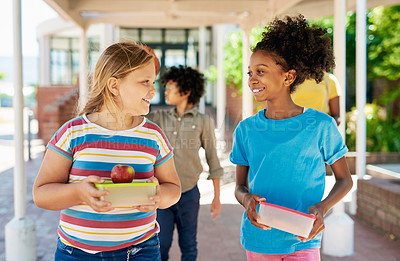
(327, 89)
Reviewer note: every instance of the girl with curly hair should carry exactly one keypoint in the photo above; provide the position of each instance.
(281, 151)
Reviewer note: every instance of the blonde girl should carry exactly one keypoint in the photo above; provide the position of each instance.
(108, 131)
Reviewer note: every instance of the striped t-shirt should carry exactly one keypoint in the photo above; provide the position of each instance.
(95, 150)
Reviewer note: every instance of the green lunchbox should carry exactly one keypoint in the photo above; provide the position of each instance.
(128, 194)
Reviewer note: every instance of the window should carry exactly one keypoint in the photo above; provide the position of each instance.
(173, 47)
(129, 35)
(175, 36)
(151, 36)
(64, 59)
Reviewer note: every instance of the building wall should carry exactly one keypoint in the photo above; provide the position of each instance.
(378, 204)
(233, 105)
(55, 106)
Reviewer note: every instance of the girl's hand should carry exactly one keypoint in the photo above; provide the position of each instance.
(91, 196)
(156, 198)
(250, 203)
(318, 226)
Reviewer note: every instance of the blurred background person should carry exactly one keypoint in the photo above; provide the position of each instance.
(323, 96)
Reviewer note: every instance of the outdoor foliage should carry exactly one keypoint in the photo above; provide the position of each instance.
(233, 58)
(384, 45)
(383, 32)
(30, 99)
(382, 133)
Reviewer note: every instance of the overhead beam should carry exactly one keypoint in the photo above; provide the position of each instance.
(208, 6)
(371, 3)
(222, 6)
(311, 9)
(156, 21)
(280, 7)
(63, 10)
(190, 12)
(119, 5)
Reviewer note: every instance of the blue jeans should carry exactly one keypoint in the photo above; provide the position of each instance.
(184, 214)
(148, 250)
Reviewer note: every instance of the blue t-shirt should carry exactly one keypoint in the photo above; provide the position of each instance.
(286, 160)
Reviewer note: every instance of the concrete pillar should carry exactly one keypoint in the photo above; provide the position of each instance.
(338, 238)
(221, 86)
(19, 169)
(214, 61)
(361, 95)
(361, 86)
(339, 48)
(107, 37)
(83, 68)
(247, 96)
(20, 232)
(44, 60)
(202, 61)
(20, 240)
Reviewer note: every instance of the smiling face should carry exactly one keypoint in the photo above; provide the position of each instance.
(267, 80)
(136, 90)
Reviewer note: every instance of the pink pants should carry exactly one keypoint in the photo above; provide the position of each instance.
(306, 254)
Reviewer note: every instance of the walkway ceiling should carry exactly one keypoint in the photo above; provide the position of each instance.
(192, 13)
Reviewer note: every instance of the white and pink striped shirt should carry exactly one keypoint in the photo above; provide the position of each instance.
(95, 150)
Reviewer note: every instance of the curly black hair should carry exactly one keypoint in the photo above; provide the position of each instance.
(294, 44)
(187, 79)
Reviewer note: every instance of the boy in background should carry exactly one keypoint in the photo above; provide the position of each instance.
(187, 130)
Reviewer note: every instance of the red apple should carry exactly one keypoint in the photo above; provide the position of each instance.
(122, 174)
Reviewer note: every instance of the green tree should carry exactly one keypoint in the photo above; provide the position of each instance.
(233, 52)
(384, 45)
(384, 62)
(324, 22)
(233, 58)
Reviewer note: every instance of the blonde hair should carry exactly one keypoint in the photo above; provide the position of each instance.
(118, 60)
